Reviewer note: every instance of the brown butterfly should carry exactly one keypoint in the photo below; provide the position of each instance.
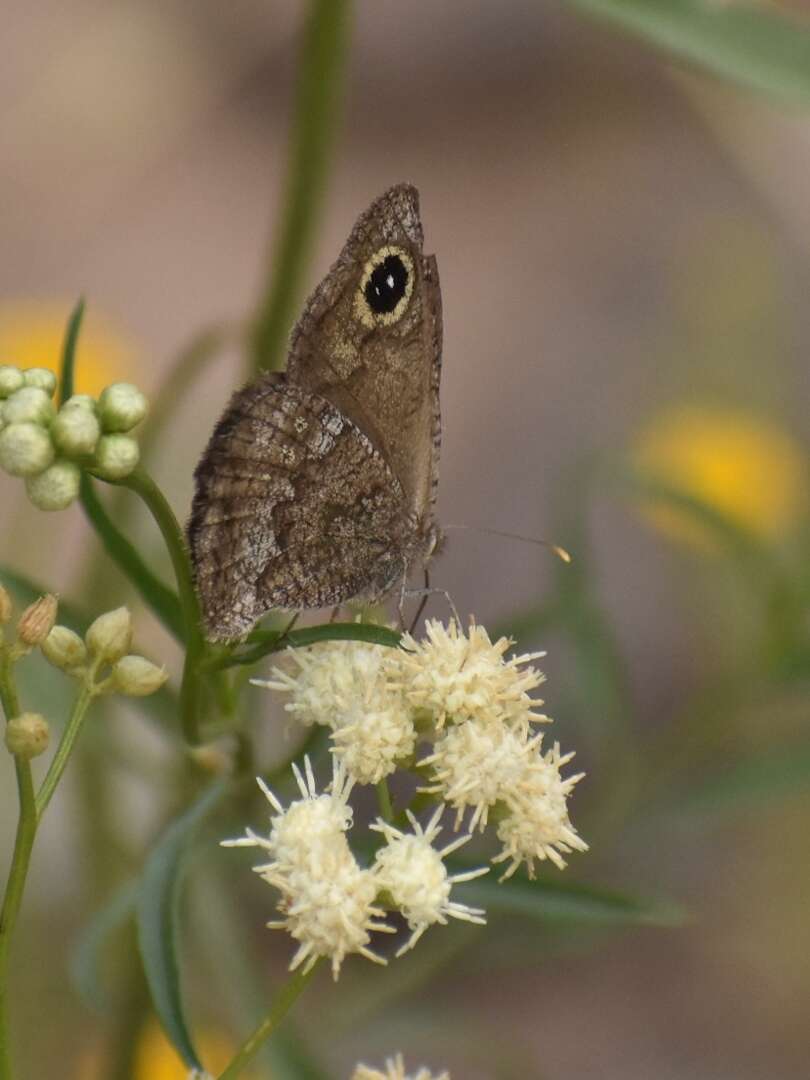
(318, 484)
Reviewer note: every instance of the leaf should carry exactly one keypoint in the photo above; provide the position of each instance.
(570, 902)
(157, 916)
(270, 641)
(69, 352)
(754, 44)
(158, 596)
(85, 959)
(768, 775)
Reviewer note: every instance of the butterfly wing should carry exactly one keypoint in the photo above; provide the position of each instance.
(369, 340)
(294, 508)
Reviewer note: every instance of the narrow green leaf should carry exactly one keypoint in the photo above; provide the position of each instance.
(86, 956)
(157, 915)
(755, 44)
(270, 641)
(158, 596)
(570, 902)
(318, 103)
(69, 352)
(741, 785)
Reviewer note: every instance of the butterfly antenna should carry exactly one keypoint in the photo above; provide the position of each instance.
(560, 552)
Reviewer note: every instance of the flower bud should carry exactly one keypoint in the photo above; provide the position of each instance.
(36, 621)
(11, 379)
(76, 430)
(55, 488)
(121, 406)
(116, 456)
(110, 635)
(137, 676)
(27, 735)
(6, 607)
(80, 401)
(25, 449)
(29, 405)
(64, 649)
(41, 377)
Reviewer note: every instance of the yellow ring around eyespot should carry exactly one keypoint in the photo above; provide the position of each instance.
(361, 308)
(32, 333)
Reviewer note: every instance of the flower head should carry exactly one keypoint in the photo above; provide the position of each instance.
(745, 466)
(537, 825)
(477, 764)
(395, 1070)
(456, 676)
(410, 869)
(345, 685)
(327, 898)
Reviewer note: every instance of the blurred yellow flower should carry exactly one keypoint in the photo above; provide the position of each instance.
(155, 1059)
(31, 335)
(745, 467)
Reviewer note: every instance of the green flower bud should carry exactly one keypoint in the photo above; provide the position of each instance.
(36, 621)
(6, 607)
(29, 405)
(116, 456)
(76, 431)
(41, 377)
(137, 676)
(27, 735)
(121, 406)
(56, 487)
(110, 635)
(25, 449)
(11, 379)
(64, 649)
(80, 401)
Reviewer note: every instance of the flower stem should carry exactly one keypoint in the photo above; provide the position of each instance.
(60, 758)
(20, 859)
(317, 104)
(283, 1002)
(143, 485)
(384, 800)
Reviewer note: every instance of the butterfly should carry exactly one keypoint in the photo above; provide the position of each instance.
(318, 484)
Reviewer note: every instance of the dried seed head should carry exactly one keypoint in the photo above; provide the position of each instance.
(36, 621)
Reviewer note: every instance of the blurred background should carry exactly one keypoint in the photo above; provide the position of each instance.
(624, 249)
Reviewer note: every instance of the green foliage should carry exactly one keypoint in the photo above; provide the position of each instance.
(753, 43)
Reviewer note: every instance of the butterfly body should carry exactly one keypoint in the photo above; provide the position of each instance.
(318, 484)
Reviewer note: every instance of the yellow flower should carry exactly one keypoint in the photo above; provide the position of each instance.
(746, 467)
(155, 1059)
(31, 335)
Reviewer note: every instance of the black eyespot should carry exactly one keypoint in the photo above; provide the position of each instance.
(386, 285)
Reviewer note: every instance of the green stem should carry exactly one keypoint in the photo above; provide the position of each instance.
(20, 860)
(283, 1002)
(63, 751)
(384, 800)
(318, 100)
(143, 485)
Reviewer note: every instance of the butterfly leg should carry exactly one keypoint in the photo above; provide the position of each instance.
(422, 603)
(335, 613)
(287, 629)
(427, 592)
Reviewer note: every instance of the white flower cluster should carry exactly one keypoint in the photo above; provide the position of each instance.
(330, 903)
(457, 695)
(395, 1070)
(454, 710)
(49, 448)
